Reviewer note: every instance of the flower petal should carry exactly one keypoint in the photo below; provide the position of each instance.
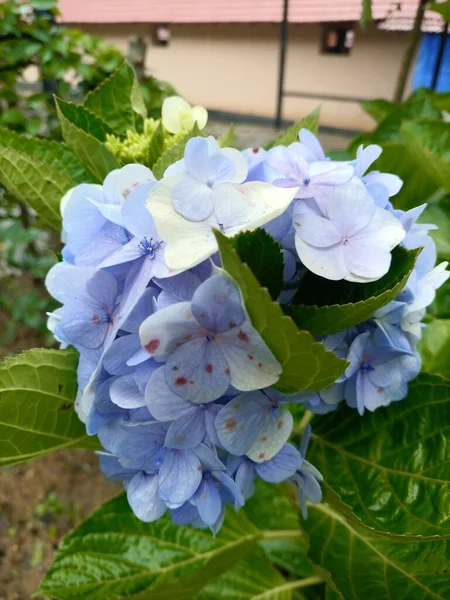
(198, 371)
(142, 493)
(162, 332)
(216, 304)
(179, 476)
(252, 365)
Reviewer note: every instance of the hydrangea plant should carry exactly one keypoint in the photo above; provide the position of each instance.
(213, 302)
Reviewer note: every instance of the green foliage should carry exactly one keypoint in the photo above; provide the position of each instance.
(429, 142)
(264, 257)
(366, 565)
(36, 184)
(70, 63)
(84, 133)
(347, 303)
(414, 138)
(37, 391)
(443, 8)
(366, 13)
(133, 559)
(290, 136)
(378, 108)
(306, 364)
(391, 466)
(418, 186)
(114, 555)
(288, 552)
(434, 347)
(55, 154)
(227, 139)
(439, 213)
(119, 102)
(174, 152)
(156, 146)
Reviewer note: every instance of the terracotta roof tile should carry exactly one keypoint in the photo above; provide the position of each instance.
(242, 11)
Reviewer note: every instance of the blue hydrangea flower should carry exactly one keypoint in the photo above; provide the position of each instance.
(313, 180)
(208, 344)
(307, 478)
(89, 298)
(353, 242)
(377, 375)
(201, 175)
(255, 424)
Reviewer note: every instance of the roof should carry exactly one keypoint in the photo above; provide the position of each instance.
(242, 11)
(402, 18)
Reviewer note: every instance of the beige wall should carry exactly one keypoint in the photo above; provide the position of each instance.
(235, 67)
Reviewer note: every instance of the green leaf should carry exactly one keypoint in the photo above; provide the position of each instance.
(227, 139)
(290, 136)
(443, 8)
(419, 106)
(173, 153)
(55, 154)
(118, 101)
(114, 555)
(156, 146)
(306, 364)
(264, 257)
(39, 186)
(434, 348)
(83, 119)
(366, 13)
(418, 186)
(438, 213)
(378, 109)
(84, 133)
(37, 392)
(254, 579)
(392, 466)
(284, 544)
(348, 304)
(430, 144)
(366, 565)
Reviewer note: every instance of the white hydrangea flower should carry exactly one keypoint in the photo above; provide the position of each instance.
(178, 115)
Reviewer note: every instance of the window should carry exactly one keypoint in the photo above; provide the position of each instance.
(337, 39)
(161, 36)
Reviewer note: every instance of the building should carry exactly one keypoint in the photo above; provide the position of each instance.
(225, 55)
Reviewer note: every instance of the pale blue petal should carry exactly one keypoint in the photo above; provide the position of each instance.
(115, 358)
(168, 328)
(179, 476)
(252, 365)
(164, 404)
(142, 493)
(216, 304)
(208, 501)
(283, 465)
(135, 216)
(187, 431)
(192, 199)
(209, 459)
(143, 309)
(198, 371)
(126, 394)
(245, 478)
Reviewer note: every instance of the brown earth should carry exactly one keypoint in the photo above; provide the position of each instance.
(40, 502)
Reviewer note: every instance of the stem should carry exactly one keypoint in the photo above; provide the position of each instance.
(307, 418)
(276, 534)
(410, 51)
